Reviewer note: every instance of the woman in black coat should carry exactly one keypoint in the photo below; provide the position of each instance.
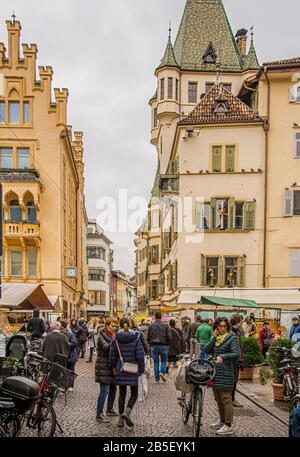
(177, 344)
(104, 371)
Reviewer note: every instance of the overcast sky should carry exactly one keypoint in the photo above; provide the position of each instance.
(106, 52)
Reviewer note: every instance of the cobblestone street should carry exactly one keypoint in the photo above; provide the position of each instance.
(158, 416)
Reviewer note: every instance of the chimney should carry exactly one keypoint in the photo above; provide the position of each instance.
(241, 39)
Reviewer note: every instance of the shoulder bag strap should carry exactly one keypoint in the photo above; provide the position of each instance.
(177, 333)
(119, 351)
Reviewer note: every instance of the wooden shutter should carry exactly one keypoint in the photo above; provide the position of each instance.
(293, 94)
(203, 270)
(288, 202)
(217, 159)
(249, 222)
(231, 213)
(230, 158)
(241, 271)
(297, 146)
(213, 205)
(221, 273)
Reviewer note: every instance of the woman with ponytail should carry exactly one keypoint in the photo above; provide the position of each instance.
(127, 349)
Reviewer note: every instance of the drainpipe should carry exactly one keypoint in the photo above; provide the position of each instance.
(266, 129)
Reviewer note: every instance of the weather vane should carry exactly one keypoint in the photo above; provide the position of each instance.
(13, 17)
(170, 30)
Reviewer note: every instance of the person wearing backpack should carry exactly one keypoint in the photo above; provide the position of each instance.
(177, 344)
(127, 357)
(159, 338)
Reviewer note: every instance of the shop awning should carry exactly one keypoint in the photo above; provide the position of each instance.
(229, 302)
(55, 301)
(25, 297)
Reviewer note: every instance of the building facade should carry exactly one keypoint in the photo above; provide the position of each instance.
(124, 297)
(99, 256)
(222, 218)
(42, 174)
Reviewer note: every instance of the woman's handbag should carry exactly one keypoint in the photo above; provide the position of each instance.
(127, 367)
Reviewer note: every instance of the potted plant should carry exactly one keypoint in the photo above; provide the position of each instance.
(252, 356)
(274, 359)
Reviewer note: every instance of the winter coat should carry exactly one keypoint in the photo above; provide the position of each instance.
(229, 351)
(73, 353)
(143, 339)
(193, 329)
(55, 343)
(159, 334)
(144, 329)
(132, 351)
(265, 334)
(82, 333)
(103, 368)
(294, 330)
(294, 423)
(36, 326)
(204, 333)
(177, 345)
(185, 331)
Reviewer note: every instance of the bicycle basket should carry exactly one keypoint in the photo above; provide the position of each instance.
(60, 378)
(201, 372)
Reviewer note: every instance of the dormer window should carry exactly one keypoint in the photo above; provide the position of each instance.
(210, 55)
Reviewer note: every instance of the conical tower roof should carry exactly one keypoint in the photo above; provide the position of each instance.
(205, 22)
(169, 59)
(251, 60)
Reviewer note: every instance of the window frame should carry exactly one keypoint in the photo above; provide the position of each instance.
(20, 157)
(11, 157)
(292, 274)
(162, 89)
(10, 104)
(32, 250)
(11, 263)
(297, 144)
(170, 88)
(192, 84)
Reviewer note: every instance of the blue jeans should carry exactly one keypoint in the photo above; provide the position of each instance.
(160, 358)
(202, 353)
(109, 390)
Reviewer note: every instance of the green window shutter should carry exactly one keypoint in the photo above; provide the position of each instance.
(221, 274)
(249, 223)
(231, 212)
(203, 270)
(170, 278)
(230, 158)
(217, 159)
(213, 206)
(241, 271)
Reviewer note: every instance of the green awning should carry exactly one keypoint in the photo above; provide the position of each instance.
(229, 302)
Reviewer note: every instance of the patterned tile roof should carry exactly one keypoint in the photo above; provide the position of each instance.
(169, 59)
(220, 106)
(204, 22)
(251, 60)
(295, 60)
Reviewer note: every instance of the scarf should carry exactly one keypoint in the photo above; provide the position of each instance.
(108, 332)
(221, 338)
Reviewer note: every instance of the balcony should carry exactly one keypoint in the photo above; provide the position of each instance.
(18, 174)
(21, 229)
(169, 184)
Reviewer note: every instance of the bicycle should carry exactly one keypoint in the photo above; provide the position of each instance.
(200, 372)
(290, 374)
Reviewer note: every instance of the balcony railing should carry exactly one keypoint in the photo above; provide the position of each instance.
(18, 174)
(21, 229)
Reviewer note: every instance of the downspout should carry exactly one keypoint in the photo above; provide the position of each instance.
(266, 129)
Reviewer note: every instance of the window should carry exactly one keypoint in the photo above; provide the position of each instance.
(212, 270)
(6, 157)
(102, 275)
(15, 211)
(177, 89)
(227, 86)
(297, 146)
(231, 271)
(23, 158)
(295, 264)
(2, 112)
(217, 159)
(154, 289)
(93, 252)
(155, 218)
(94, 297)
(222, 219)
(94, 275)
(296, 202)
(3, 265)
(202, 216)
(170, 87)
(16, 263)
(102, 254)
(155, 118)
(162, 88)
(14, 112)
(229, 159)
(192, 92)
(31, 212)
(26, 116)
(102, 298)
(292, 202)
(239, 216)
(209, 86)
(32, 256)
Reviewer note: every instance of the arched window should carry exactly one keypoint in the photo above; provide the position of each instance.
(31, 212)
(15, 211)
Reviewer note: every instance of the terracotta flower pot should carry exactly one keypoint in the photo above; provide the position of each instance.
(278, 391)
(247, 374)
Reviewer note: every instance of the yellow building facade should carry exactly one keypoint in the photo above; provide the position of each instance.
(42, 174)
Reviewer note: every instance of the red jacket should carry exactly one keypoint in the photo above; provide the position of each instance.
(265, 334)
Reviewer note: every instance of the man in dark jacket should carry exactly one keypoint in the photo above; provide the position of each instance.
(159, 338)
(104, 372)
(36, 325)
(73, 353)
(82, 337)
(193, 343)
(177, 344)
(55, 343)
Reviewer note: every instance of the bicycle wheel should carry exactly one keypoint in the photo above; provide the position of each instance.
(287, 386)
(294, 403)
(43, 419)
(197, 411)
(185, 411)
(11, 425)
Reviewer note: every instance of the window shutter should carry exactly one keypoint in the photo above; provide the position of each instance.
(230, 158)
(249, 216)
(295, 264)
(293, 94)
(175, 275)
(213, 206)
(221, 274)
(161, 286)
(149, 219)
(289, 202)
(150, 254)
(170, 278)
(216, 159)
(241, 267)
(154, 254)
(231, 212)
(297, 146)
(203, 270)
(199, 215)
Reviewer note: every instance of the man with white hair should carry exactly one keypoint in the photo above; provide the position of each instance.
(55, 343)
